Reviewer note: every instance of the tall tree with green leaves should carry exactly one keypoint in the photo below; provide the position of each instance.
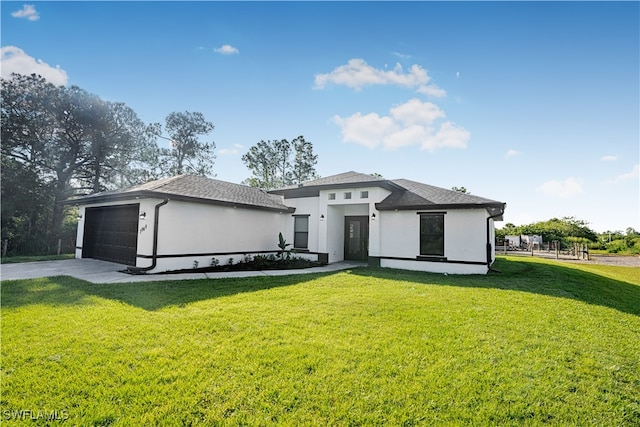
(303, 168)
(60, 141)
(261, 161)
(279, 163)
(187, 154)
(123, 149)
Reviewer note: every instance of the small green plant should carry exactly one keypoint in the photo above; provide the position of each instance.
(230, 261)
(195, 264)
(284, 253)
(215, 262)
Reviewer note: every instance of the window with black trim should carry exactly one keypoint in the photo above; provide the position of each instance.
(332, 196)
(364, 194)
(432, 234)
(301, 232)
(347, 195)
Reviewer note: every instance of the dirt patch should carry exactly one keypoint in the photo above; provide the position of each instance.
(620, 260)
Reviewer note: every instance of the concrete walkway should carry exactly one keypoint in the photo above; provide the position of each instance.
(96, 271)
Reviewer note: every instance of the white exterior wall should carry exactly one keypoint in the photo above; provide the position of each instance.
(332, 240)
(434, 267)
(465, 235)
(327, 235)
(400, 234)
(145, 230)
(80, 231)
(194, 228)
(465, 240)
(304, 206)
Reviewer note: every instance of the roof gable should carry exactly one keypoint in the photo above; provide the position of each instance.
(349, 179)
(405, 194)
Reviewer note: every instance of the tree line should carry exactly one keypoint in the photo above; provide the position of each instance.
(62, 141)
(569, 229)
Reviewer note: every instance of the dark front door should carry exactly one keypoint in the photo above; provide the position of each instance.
(111, 234)
(356, 238)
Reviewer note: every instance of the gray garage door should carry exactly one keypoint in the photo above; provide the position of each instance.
(111, 233)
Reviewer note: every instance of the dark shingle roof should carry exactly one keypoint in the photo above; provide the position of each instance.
(350, 177)
(405, 194)
(193, 188)
(416, 195)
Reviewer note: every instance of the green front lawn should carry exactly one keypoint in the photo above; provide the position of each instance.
(541, 343)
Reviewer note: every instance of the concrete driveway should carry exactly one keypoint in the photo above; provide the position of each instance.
(96, 271)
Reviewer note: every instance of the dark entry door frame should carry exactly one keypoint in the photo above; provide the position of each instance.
(356, 238)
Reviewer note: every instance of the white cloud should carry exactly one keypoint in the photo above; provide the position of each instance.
(634, 173)
(562, 189)
(401, 55)
(512, 153)
(15, 60)
(415, 111)
(357, 73)
(231, 151)
(432, 91)
(28, 11)
(227, 49)
(411, 123)
(369, 130)
(609, 158)
(450, 135)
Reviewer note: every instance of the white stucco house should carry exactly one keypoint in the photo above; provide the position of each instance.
(172, 223)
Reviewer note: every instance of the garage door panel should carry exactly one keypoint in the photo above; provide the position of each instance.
(111, 233)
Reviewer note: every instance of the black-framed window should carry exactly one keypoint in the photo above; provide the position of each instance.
(347, 195)
(364, 194)
(432, 234)
(301, 232)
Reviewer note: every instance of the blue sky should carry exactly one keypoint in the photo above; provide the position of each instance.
(533, 104)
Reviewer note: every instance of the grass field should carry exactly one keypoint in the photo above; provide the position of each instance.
(541, 343)
(20, 259)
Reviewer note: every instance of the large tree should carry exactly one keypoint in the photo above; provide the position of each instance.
(279, 163)
(59, 141)
(123, 149)
(187, 154)
(304, 162)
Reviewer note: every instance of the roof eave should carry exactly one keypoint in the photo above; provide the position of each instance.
(432, 207)
(86, 200)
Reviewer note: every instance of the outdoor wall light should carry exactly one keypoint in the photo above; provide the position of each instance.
(373, 216)
(79, 217)
(322, 217)
(143, 216)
